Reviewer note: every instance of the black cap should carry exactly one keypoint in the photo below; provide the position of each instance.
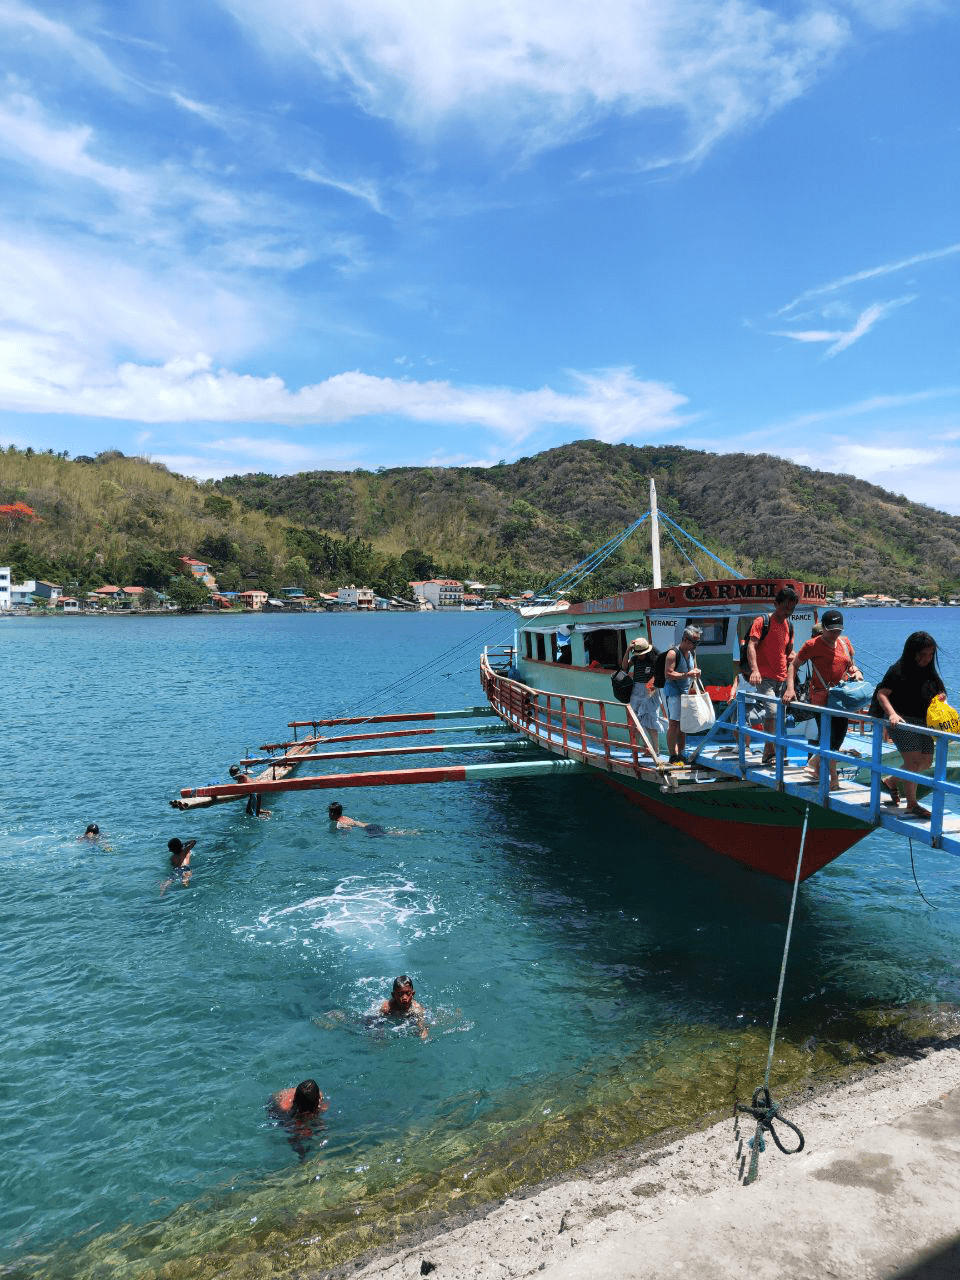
(832, 620)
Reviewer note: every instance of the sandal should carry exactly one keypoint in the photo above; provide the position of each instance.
(918, 811)
(890, 786)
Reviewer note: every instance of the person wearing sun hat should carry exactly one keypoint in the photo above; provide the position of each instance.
(641, 656)
(830, 655)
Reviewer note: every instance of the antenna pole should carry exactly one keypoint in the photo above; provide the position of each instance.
(654, 533)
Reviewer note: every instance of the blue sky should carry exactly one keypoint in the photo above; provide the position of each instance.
(239, 236)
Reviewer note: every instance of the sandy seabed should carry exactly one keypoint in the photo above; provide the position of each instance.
(682, 1206)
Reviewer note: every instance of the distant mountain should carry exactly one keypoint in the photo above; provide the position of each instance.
(127, 520)
(539, 514)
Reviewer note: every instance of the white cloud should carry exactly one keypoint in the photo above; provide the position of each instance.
(927, 473)
(75, 306)
(360, 189)
(27, 138)
(872, 405)
(871, 273)
(45, 35)
(535, 73)
(611, 405)
(840, 340)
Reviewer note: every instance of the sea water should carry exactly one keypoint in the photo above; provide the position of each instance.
(589, 975)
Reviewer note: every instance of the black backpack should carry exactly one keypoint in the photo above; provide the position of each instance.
(744, 659)
(660, 667)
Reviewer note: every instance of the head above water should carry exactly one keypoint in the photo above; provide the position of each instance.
(179, 850)
(306, 1097)
(92, 830)
(335, 811)
(235, 771)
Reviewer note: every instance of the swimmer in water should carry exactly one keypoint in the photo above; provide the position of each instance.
(92, 836)
(255, 807)
(340, 822)
(298, 1111)
(403, 1005)
(180, 862)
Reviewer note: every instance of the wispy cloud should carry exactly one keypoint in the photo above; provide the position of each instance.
(860, 408)
(360, 190)
(537, 73)
(870, 273)
(48, 38)
(840, 340)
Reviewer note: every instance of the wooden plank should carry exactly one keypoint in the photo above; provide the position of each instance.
(497, 745)
(384, 778)
(466, 713)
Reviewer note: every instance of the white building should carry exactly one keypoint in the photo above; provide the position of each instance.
(5, 587)
(34, 589)
(356, 597)
(442, 593)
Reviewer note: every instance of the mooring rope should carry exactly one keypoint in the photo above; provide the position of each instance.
(913, 868)
(763, 1109)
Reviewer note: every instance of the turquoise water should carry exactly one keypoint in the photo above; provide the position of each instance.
(570, 952)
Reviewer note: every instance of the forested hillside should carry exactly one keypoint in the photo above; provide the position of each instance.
(760, 513)
(127, 520)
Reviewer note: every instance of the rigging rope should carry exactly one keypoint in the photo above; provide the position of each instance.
(566, 581)
(762, 1107)
(692, 563)
(705, 550)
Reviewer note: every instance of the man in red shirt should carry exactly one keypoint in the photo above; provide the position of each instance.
(769, 657)
(830, 654)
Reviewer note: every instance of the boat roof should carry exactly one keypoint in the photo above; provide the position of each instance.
(711, 595)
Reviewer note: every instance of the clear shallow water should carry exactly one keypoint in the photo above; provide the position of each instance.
(587, 970)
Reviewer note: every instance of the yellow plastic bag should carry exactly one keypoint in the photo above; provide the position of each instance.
(940, 715)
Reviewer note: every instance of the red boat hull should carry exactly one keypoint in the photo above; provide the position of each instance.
(770, 846)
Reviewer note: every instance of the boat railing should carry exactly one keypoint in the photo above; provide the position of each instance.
(569, 724)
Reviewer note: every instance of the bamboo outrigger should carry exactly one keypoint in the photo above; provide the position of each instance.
(277, 772)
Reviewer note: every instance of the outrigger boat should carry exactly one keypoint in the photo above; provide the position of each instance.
(551, 687)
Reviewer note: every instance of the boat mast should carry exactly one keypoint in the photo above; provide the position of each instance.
(654, 533)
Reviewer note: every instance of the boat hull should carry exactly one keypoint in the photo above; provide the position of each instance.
(759, 829)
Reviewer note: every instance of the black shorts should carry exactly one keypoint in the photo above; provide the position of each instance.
(905, 739)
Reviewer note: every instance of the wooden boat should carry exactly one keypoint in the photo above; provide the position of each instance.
(553, 685)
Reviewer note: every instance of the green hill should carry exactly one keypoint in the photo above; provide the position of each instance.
(127, 520)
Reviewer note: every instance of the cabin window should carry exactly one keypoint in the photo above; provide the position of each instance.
(541, 641)
(713, 630)
(528, 644)
(604, 647)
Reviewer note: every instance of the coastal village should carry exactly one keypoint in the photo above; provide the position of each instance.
(35, 596)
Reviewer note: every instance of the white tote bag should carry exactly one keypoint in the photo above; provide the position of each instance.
(696, 710)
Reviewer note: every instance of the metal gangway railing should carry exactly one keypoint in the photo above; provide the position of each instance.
(941, 830)
(582, 728)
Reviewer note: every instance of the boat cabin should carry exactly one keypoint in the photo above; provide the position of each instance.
(575, 649)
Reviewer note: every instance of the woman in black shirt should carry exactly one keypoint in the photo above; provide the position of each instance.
(903, 695)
